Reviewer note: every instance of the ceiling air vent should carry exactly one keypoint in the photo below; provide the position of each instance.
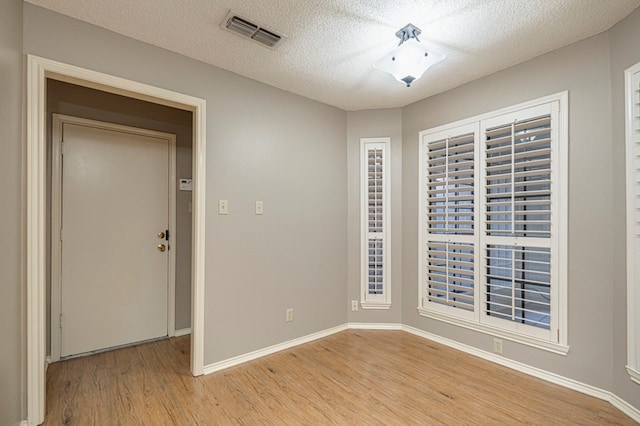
(255, 32)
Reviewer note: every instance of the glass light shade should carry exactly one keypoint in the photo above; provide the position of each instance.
(408, 61)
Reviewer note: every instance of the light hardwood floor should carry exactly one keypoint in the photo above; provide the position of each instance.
(355, 377)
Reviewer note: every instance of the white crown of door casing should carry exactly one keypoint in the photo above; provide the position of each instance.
(38, 70)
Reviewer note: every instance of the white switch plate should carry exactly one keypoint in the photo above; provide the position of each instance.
(259, 207)
(289, 315)
(223, 207)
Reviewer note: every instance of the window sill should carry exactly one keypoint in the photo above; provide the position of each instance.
(497, 332)
(634, 374)
(375, 305)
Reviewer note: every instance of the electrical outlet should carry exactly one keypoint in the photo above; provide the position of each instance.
(497, 346)
(289, 315)
(354, 305)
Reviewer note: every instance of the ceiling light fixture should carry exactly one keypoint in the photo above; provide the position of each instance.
(407, 62)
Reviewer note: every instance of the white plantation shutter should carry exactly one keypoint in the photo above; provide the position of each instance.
(493, 224)
(375, 229)
(520, 152)
(518, 178)
(518, 282)
(450, 166)
(450, 274)
(448, 158)
(633, 220)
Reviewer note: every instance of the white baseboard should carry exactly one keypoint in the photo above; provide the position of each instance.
(605, 395)
(373, 326)
(24, 423)
(624, 406)
(221, 365)
(182, 332)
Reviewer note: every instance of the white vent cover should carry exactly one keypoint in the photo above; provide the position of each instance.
(247, 29)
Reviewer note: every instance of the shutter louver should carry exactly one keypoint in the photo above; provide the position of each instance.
(450, 274)
(518, 178)
(450, 187)
(518, 284)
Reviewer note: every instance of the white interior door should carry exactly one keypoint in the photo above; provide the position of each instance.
(114, 278)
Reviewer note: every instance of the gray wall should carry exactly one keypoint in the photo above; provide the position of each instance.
(625, 52)
(262, 144)
(583, 69)
(11, 298)
(374, 124)
(69, 99)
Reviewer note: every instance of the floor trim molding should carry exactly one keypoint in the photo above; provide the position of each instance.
(182, 332)
(373, 326)
(240, 359)
(584, 388)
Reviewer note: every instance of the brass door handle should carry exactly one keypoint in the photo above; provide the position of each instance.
(161, 235)
(161, 247)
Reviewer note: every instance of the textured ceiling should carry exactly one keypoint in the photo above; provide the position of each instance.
(331, 45)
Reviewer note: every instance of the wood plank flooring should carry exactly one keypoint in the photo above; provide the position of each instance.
(357, 377)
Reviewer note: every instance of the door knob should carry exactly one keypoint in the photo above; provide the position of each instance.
(161, 235)
(161, 247)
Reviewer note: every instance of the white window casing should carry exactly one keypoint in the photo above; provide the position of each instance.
(493, 223)
(375, 223)
(632, 90)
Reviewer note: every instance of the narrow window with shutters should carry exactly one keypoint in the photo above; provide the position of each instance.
(376, 291)
(493, 236)
(632, 87)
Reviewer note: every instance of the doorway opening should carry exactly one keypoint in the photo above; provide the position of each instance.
(40, 72)
(113, 198)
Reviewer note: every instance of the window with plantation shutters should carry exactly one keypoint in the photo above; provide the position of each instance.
(493, 238)
(376, 292)
(632, 87)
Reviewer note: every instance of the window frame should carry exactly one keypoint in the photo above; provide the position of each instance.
(556, 342)
(632, 113)
(369, 301)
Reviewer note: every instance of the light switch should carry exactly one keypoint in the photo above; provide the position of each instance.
(259, 207)
(223, 207)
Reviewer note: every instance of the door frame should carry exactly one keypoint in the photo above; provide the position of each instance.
(56, 218)
(38, 71)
